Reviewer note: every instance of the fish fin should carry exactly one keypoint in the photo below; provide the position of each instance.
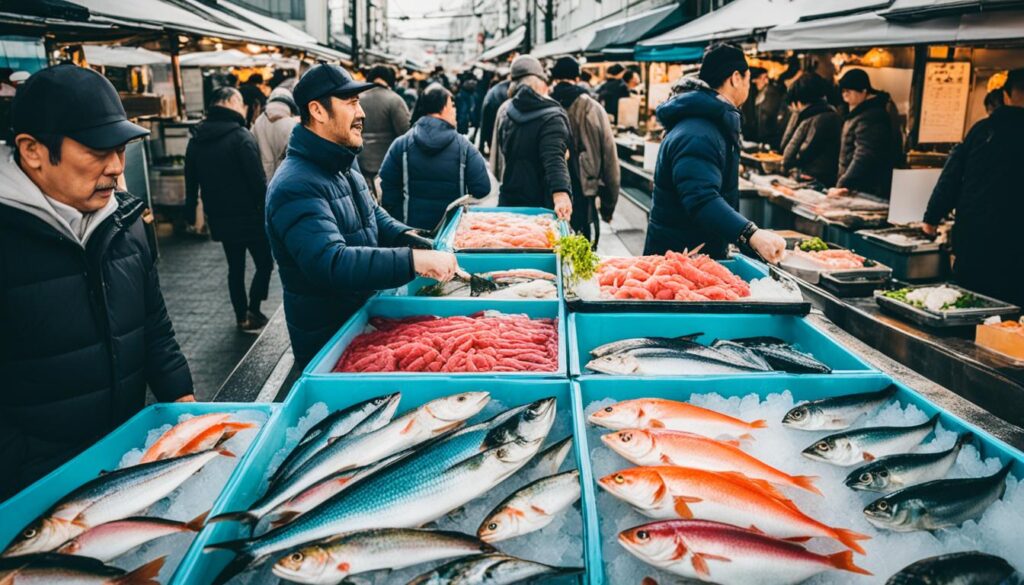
(754, 528)
(656, 424)
(283, 518)
(666, 460)
(700, 563)
(648, 581)
(80, 523)
(689, 337)
(679, 552)
(103, 472)
(409, 426)
(745, 437)
(849, 538)
(245, 517)
(732, 443)
(682, 508)
(144, 575)
(844, 562)
(806, 482)
(539, 510)
(344, 567)
(226, 453)
(797, 539)
(964, 439)
(759, 424)
(196, 524)
(772, 491)
(868, 456)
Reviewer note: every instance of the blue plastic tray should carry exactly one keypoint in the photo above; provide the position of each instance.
(446, 238)
(324, 362)
(247, 483)
(588, 389)
(587, 331)
(105, 455)
(477, 263)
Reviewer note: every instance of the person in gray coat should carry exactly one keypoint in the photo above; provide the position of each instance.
(810, 143)
(387, 118)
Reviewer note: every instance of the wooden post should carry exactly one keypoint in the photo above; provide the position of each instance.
(179, 91)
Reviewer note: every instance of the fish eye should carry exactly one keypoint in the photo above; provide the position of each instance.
(608, 409)
(461, 399)
(619, 478)
(883, 505)
(797, 413)
(29, 533)
(626, 437)
(642, 535)
(822, 446)
(883, 474)
(865, 477)
(297, 557)
(492, 526)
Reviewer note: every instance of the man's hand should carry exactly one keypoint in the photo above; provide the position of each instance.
(440, 266)
(929, 229)
(563, 205)
(187, 398)
(770, 245)
(838, 192)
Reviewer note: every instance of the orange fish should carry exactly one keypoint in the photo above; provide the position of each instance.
(661, 447)
(213, 435)
(180, 434)
(680, 492)
(656, 413)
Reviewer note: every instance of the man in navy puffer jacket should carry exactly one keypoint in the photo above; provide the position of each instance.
(431, 165)
(334, 245)
(696, 180)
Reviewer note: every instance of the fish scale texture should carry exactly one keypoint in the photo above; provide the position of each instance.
(475, 343)
(672, 277)
(504, 230)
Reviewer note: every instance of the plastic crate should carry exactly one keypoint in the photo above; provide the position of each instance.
(587, 331)
(445, 239)
(397, 307)
(248, 483)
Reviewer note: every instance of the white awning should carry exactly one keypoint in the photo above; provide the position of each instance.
(924, 9)
(504, 45)
(278, 27)
(225, 58)
(110, 56)
(569, 44)
(737, 20)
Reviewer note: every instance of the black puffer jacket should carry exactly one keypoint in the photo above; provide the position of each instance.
(811, 142)
(222, 164)
(534, 139)
(870, 147)
(82, 332)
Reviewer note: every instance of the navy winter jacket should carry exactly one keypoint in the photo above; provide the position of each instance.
(332, 242)
(696, 180)
(437, 165)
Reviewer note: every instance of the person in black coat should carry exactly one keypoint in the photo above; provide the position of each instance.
(83, 326)
(431, 165)
(223, 166)
(535, 138)
(982, 181)
(696, 179)
(613, 89)
(871, 144)
(496, 96)
(810, 144)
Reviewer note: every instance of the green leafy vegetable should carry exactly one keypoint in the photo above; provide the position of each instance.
(813, 245)
(575, 251)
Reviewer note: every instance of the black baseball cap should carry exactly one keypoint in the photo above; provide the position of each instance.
(326, 79)
(76, 102)
(855, 79)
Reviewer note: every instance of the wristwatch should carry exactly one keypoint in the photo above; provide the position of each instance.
(747, 233)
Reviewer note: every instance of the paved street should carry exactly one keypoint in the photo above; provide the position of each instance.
(193, 274)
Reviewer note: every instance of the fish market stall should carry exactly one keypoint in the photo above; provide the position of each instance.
(501, 229)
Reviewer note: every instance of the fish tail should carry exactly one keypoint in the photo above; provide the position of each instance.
(964, 439)
(245, 517)
(196, 524)
(226, 453)
(759, 424)
(849, 538)
(806, 482)
(144, 575)
(933, 421)
(242, 561)
(844, 562)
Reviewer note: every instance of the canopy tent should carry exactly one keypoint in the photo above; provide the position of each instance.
(925, 9)
(872, 29)
(278, 27)
(819, 9)
(569, 44)
(669, 54)
(504, 45)
(740, 19)
(625, 32)
(112, 56)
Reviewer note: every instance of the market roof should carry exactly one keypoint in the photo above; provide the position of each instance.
(737, 20)
(925, 9)
(112, 56)
(568, 44)
(504, 45)
(625, 32)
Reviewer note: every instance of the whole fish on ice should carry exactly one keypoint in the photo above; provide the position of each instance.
(867, 444)
(658, 413)
(108, 541)
(836, 413)
(961, 568)
(492, 569)
(53, 568)
(531, 508)
(899, 471)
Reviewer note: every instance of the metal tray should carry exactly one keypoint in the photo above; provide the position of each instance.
(948, 318)
(851, 284)
(877, 236)
(813, 276)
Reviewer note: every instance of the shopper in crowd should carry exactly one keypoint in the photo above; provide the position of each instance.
(768, 107)
(223, 167)
(465, 102)
(594, 143)
(872, 143)
(613, 90)
(83, 326)
(749, 109)
(274, 127)
(255, 101)
(404, 89)
(335, 246)
(533, 144)
(496, 96)
(696, 181)
(387, 118)
(431, 165)
(810, 143)
(584, 82)
(982, 181)
(994, 99)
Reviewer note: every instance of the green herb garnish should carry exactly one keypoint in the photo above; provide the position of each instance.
(575, 251)
(813, 245)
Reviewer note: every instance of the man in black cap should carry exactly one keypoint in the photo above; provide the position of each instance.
(594, 143)
(334, 245)
(872, 142)
(613, 89)
(982, 181)
(696, 181)
(83, 327)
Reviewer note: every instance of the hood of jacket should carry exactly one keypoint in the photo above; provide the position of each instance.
(878, 102)
(219, 121)
(331, 157)
(277, 110)
(819, 107)
(695, 99)
(529, 105)
(19, 192)
(433, 134)
(565, 93)
(1011, 116)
